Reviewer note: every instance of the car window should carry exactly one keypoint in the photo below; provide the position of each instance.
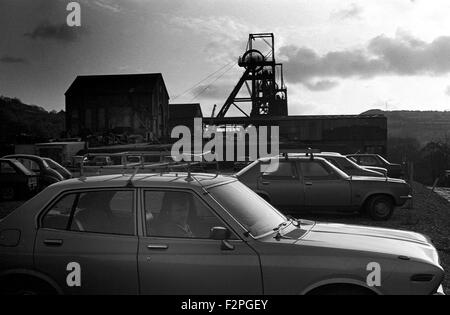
(368, 161)
(59, 214)
(152, 158)
(179, 215)
(108, 212)
(29, 164)
(7, 168)
(133, 159)
(315, 170)
(281, 170)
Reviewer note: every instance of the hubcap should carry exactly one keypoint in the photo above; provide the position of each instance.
(382, 209)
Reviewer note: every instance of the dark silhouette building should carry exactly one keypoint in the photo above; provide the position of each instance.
(133, 106)
(184, 114)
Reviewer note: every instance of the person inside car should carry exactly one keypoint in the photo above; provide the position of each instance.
(173, 220)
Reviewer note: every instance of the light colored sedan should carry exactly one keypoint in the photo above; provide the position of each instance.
(197, 234)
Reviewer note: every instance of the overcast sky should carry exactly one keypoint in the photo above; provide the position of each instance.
(339, 56)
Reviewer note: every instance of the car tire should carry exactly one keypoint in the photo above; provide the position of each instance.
(7, 193)
(380, 208)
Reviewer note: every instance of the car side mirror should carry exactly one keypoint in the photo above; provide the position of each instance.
(222, 234)
(219, 233)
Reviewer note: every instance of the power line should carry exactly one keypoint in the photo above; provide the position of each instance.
(203, 90)
(203, 80)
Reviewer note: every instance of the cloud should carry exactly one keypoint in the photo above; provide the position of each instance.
(205, 91)
(322, 85)
(11, 59)
(225, 35)
(403, 55)
(447, 91)
(354, 11)
(58, 32)
(108, 5)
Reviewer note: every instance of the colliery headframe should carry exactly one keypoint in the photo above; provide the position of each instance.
(262, 87)
(127, 109)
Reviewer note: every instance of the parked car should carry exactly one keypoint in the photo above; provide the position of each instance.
(349, 167)
(375, 160)
(16, 181)
(59, 168)
(113, 235)
(37, 164)
(100, 161)
(298, 183)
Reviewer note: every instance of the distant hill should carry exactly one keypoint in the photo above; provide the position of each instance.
(20, 122)
(425, 126)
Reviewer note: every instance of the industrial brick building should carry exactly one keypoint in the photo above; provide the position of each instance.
(184, 114)
(135, 107)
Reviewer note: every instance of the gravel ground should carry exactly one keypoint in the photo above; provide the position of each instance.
(429, 215)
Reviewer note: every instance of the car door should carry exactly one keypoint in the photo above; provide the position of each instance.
(281, 182)
(174, 260)
(324, 189)
(91, 233)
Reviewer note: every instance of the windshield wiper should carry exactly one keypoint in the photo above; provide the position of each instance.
(278, 235)
(294, 220)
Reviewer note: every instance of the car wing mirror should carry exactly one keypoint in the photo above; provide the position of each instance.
(221, 234)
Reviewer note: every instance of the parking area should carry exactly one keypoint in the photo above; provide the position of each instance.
(429, 215)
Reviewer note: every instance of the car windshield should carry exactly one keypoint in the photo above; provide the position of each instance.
(336, 169)
(348, 164)
(249, 209)
(53, 164)
(383, 159)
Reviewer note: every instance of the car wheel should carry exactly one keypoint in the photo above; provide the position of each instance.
(8, 193)
(381, 208)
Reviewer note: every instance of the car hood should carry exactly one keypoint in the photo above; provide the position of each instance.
(371, 240)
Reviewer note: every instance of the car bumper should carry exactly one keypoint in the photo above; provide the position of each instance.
(440, 291)
(402, 200)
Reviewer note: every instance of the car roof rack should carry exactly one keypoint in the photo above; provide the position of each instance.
(308, 152)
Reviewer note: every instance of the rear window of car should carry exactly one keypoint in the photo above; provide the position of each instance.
(7, 168)
(106, 212)
(281, 170)
(368, 161)
(58, 216)
(315, 170)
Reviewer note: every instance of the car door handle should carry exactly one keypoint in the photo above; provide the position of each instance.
(53, 242)
(265, 183)
(157, 246)
(308, 183)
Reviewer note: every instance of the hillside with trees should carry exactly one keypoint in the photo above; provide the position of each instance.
(421, 138)
(22, 123)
